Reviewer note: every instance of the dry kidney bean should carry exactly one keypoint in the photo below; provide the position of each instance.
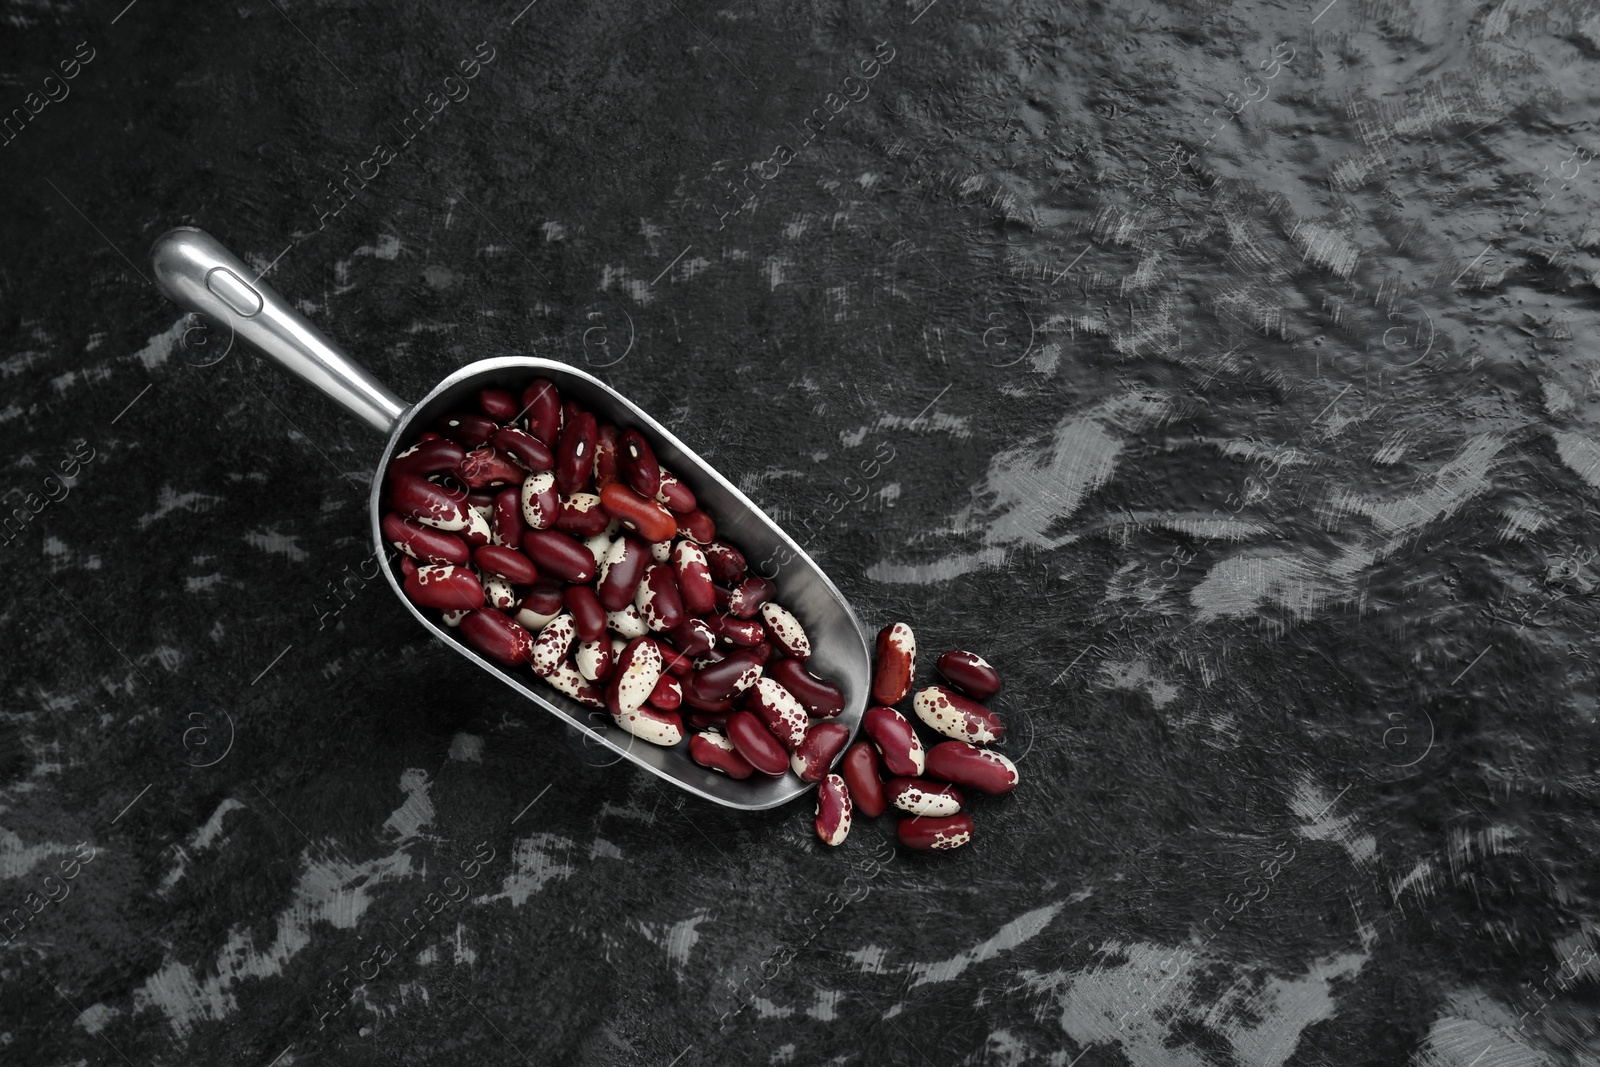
(550, 648)
(498, 404)
(566, 679)
(667, 695)
(505, 522)
(588, 617)
(813, 757)
(833, 810)
(487, 466)
(575, 454)
(652, 521)
(713, 750)
(860, 770)
(726, 562)
(431, 505)
(427, 457)
(697, 526)
(779, 712)
(918, 797)
(497, 593)
(661, 551)
(444, 586)
(582, 516)
(595, 659)
(935, 834)
(638, 671)
(784, 630)
(639, 466)
(530, 452)
(692, 637)
(626, 623)
(695, 587)
(657, 598)
(756, 745)
(598, 546)
(620, 573)
(677, 662)
(821, 698)
(477, 532)
(510, 564)
(606, 468)
(678, 498)
(541, 504)
(982, 769)
(897, 742)
(541, 406)
(744, 633)
(497, 636)
(559, 555)
(664, 728)
(468, 430)
(949, 713)
(746, 598)
(708, 720)
(970, 673)
(729, 678)
(424, 543)
(897, 657)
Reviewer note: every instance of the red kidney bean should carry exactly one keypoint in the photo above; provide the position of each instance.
(784, 630)
(468, 430)
(534, 618)
(497, 637)
(575, 454)
(638, 462)
(529, 452)
(668, 693)
(582, 516)
(860, 768)
(483, 498)
(745, 633)
(716, 752)
(626, 623)
(970, 673)
(487, 466)
(546, 596)
(695, 587)
(814, 756)
(595, 660)
(497, 593)
(746, 598)
(726, 562)
(982, 769)
(427, 457)
(935, 834)
(541, 504)
(638, 671)
(498, 404)
(431, 505)
(678, 498)
(624, 566)
(756, 745)
(408, 567)
(550, 648)
(505, 522)
(711, 658)
(587, 614)
(423, 542)
(695, 696)
(510, 564)
(947, 712)
(444, 586)
(820, 698)
(652, 521)
(607, 467)
(657, 598)
(833, 811)
(664, 728)
(729, 678)
(697, 526)
(897, 658)
(559, 555)
(427, 435)
(677, 662)
(542, 402)
(897, 742)
(692, 637)
(919, 797)
(708, 720)
(779, 712)
(566, 679)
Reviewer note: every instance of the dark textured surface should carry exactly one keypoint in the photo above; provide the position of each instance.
(1267, 477)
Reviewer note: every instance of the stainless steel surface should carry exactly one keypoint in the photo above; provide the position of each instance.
(199, 274)
(840, 648)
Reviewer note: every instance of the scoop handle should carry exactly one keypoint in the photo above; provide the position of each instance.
(199, 274)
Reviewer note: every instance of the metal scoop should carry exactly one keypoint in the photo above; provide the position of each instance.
(202, 276)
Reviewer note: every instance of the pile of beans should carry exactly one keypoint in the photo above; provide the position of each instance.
(554, 540)
(923, 782)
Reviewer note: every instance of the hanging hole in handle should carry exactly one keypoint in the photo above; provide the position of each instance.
(234, 291)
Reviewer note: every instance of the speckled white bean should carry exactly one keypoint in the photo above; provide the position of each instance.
(786, 630)
(550, 648)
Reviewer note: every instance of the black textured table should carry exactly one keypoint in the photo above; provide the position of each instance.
(1223, 373)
